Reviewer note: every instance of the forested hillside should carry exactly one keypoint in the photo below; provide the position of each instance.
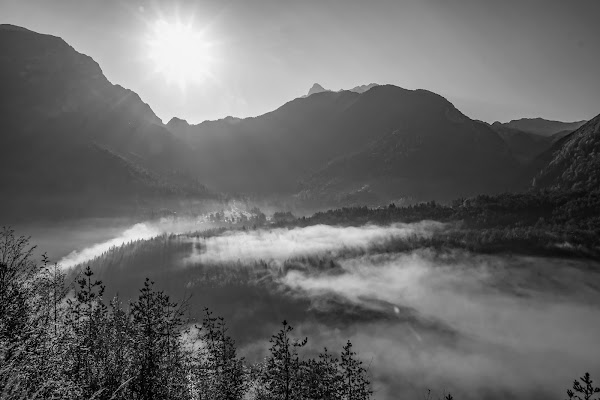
(574, 161)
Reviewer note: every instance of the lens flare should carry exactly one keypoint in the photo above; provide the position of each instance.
(179, 52)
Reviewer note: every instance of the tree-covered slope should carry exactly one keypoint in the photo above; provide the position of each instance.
(573, 162)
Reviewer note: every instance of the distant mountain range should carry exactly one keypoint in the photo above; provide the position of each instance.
(316, 88)
(68, 133)
(529, 137)
(542, 127)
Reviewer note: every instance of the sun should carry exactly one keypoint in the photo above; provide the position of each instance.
(179, 52)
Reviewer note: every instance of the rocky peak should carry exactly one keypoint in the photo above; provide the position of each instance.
(316, 88)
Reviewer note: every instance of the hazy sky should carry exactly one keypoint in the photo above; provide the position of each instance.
(495, 60)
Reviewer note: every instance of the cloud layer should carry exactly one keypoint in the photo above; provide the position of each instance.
(139, 231)
(281, 244)
(480, 325)
(483, 326)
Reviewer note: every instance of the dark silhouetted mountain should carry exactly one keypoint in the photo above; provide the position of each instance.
(573, 162)
(542, 127)
(528, 138)
(269, 153)
(58, 110)
(435, 152)
(408, 142)
(524, 146)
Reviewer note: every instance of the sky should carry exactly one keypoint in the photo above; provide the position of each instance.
(494, 60)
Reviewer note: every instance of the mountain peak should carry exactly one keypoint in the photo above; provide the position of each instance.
(316, 88)
(177, 123)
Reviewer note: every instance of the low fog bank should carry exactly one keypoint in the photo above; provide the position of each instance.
(277, 244)
(72, 241)
(280, 244)
(59, 238)
(139, 231)
(480, 326)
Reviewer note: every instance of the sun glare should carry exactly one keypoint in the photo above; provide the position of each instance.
(179, 52)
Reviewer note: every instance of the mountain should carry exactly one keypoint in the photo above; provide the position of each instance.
(269, 153)
(67, 132)
(528, 138)
(542, 127)
(409, 142)
(70, 134)
(573, 162)
(439, 155)
(524, 146)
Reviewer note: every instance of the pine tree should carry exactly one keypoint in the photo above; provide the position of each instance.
(282, 376)
(355, 385)
(584, 390)
(160, 361)
(329, 377)
(17, 272)
(220, 373)
(86, 316)
(117, 363)
(51, 290)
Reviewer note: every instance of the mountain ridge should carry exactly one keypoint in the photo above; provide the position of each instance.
(541, 126)
(372, 143)
(311, 131)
